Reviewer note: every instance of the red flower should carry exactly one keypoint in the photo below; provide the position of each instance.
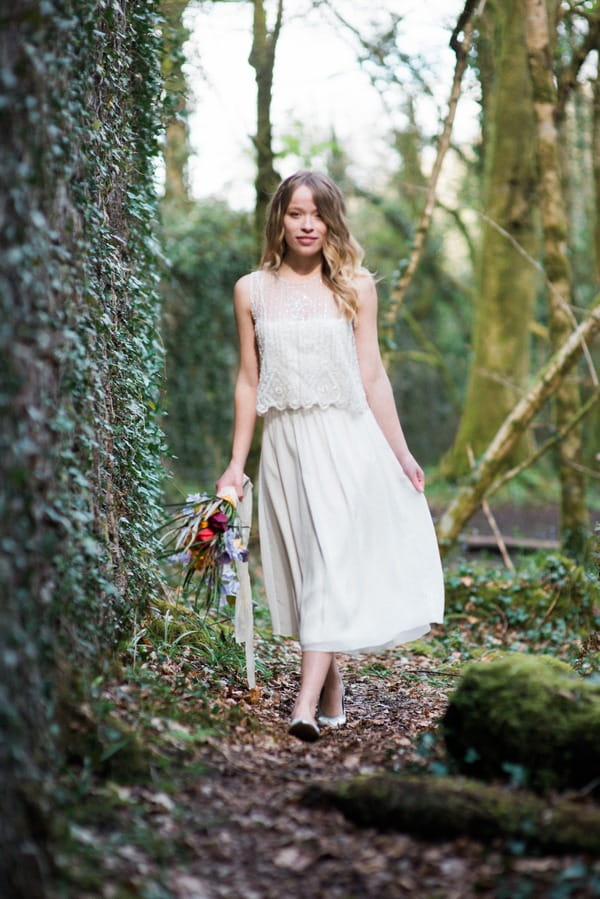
(203, 535)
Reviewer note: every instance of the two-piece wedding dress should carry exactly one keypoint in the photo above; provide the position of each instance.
(349, 552)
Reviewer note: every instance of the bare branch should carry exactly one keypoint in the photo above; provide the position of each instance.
(593, 400)
(468, 498)
(391, 313)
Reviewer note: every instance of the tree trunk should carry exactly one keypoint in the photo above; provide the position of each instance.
(573, 511)
(80, 452)
(506, 279)
(468, 498)
(176, 148)
(444, 808)
(262, 60)
(596, 164)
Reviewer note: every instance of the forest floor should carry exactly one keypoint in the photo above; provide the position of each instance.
(227, 816)
(200, 793)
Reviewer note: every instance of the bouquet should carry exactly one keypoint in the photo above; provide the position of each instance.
(204, 535)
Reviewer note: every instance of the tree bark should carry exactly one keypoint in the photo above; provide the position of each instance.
(262, 60)
(573, 511)
(506, 279)
(596, 169)
(468, 498)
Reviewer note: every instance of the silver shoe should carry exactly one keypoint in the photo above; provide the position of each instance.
(332, 720)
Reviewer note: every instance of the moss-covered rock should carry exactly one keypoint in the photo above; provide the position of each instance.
(447, 807)
(530, 715)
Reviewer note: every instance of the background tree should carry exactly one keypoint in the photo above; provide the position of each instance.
(176, 142)
(506, 279)
(262, 60)
(539, 14)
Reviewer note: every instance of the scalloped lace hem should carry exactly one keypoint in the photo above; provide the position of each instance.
(357, 406)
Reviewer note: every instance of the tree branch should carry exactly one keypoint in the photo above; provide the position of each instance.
(547, 445)
(468, 498)
(567, 77)
(389, 316)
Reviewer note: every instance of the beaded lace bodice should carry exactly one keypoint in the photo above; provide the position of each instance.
(306, 346)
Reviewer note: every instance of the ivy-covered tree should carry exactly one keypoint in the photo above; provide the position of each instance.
(79, 364)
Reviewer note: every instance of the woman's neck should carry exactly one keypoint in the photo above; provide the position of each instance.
(298, 267)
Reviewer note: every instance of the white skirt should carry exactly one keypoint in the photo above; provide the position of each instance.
(349, 552)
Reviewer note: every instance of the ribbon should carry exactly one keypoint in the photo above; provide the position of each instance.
(244, 617)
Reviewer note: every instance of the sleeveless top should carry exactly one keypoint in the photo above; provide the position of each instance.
(306, 347)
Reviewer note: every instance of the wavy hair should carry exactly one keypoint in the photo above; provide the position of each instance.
(342, 254)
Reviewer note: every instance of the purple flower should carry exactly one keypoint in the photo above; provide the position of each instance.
(229, 582)
(219, 521)
(234, 548)
(183, 557)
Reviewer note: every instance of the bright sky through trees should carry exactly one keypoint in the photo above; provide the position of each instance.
(318, 86)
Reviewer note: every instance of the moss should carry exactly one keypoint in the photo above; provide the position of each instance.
(528, 714)
(444, 808)
(171, 621)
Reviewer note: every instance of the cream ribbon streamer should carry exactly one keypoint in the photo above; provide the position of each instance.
(244, 618)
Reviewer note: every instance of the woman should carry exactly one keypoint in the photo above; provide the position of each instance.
(348, 547)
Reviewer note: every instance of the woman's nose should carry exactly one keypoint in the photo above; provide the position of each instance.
(307, 223)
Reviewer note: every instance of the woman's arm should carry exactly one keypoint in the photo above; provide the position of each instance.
(376, 382)
(244, 404)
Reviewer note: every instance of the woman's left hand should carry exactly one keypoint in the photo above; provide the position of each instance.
(413, 472)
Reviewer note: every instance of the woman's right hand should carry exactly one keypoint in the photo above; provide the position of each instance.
(233, 476)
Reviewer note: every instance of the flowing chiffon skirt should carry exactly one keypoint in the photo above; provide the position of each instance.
(349, 552)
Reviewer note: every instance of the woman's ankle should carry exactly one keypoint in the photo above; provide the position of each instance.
(330, 702)
(305, 710)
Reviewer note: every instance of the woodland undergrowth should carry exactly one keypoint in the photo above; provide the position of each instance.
(177, 696)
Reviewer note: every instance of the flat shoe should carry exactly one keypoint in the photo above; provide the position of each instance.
(332, 720)
(304, 730)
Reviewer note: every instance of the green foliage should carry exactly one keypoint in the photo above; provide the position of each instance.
(208, 247)
(551, 603)
(79, 365)
(429, 367)
(176, 630)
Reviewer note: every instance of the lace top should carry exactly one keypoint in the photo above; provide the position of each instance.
(306, 346)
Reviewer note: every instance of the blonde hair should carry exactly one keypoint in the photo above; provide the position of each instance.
(342, 254)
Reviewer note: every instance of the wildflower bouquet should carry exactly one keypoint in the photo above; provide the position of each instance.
(204, 535)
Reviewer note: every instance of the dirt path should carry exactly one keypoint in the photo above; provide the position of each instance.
(249, 833)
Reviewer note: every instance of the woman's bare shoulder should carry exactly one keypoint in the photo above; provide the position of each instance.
(242, 285)
(241, 291)
(365, 286)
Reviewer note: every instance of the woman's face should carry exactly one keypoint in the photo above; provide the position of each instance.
(304, 229)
